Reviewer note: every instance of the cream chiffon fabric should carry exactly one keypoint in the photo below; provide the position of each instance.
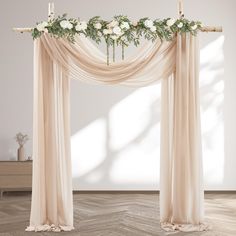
(176, 65)
(181, 184)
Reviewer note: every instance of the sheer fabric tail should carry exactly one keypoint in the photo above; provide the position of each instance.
(181, 187)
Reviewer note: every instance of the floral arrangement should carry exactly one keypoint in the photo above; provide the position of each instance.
(120, 31)
(21, 139)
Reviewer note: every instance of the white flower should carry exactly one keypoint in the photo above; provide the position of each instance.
(124, 25)
(44, 24)
(170, 22)
(135, 23)
(180, 25)
(99, 34)
(117, 30)
(107, 31)
(97, 25)
(114, 37)
(81, 26)
(41, 26)
(113, 24)
(194, 27)
(70, 26)
(65, 24)
(78, 27)
(153, 28)
(148, 23)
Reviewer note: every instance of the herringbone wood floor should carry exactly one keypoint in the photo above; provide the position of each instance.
(117, 215)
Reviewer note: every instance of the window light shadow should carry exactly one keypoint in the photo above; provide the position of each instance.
(212, 121)
(117, 147)
(117, 143)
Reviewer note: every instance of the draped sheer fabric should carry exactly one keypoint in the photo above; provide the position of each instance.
(181, 185)
(174, 63)
(52, 203)
(86, 62)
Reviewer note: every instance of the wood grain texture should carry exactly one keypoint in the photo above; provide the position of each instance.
(15, 168)
(117, 215)
(15, 175)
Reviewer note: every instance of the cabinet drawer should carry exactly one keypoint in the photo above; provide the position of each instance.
(16, 181)
(16, 168)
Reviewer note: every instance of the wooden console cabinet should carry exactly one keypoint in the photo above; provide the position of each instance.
(15, 176)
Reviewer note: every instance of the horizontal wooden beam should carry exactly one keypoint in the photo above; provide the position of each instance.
(22, 30)
(212, 29)
(203, 29)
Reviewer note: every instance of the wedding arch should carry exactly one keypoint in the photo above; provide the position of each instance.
(63, 51)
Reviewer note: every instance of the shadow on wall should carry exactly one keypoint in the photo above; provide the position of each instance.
(115, 139)
(212, 119)
(120, 148)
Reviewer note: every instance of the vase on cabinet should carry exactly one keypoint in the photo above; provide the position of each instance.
(21, 153)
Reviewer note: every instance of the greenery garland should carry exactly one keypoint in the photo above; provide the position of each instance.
(120, 31)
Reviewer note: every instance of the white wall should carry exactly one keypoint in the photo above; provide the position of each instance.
(110, 150)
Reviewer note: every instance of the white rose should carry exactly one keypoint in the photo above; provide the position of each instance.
(180, 25)
(107, 31)
(135, 23)
(113, 24)
(99, 34)
(97, 25)
(83, 25)
(44, 24)
(170, 22)
(69, 25)
(124, 25)
(114, 37)
(78, 27)
(41, 26)
(148, 23)
(65, 24)
(153, 28)
(194, 27)
(117, 30)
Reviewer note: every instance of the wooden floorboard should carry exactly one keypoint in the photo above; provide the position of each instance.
(119, 214)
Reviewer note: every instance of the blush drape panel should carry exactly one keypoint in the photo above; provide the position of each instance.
(181, 195)
(52, 203)
(85, 62)
(174, 63)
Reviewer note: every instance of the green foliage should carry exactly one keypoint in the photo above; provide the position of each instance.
(98, 29)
